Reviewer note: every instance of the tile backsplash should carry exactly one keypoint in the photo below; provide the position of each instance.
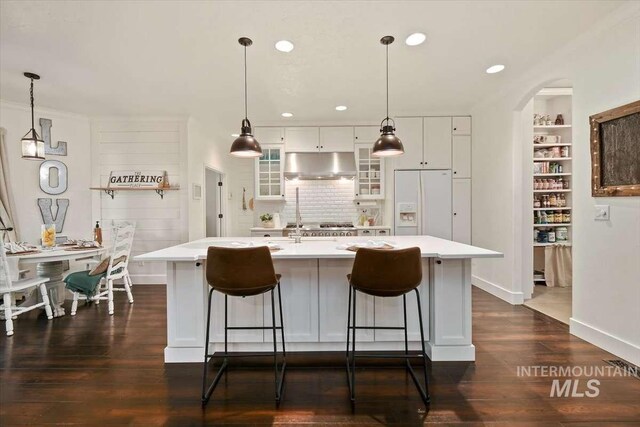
(322, 200)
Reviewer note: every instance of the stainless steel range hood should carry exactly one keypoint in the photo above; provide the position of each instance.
(320, 165)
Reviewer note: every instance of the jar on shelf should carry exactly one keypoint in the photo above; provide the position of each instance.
(536, 202)
(565, 184)
(551, 237)
(543, 236)
(563, 201)
(566, 217)
(547, 120)
(559, 119)
(564, 152)
(544, 219)
(562, 234)
(560, 183)
(555, 152)
(553, 200)
(558, 217)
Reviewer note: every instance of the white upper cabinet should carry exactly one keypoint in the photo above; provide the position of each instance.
(269, 173)
(437, 143)
(461, 126)
(269, 135)
(461, 211)
(368, 134)
(461, 156)
(302, 139)
(339, 138)
(409, 130)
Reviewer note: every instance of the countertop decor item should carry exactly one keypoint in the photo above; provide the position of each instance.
(388, 144)
(245, 145)
(32, 144)
(267, 220)
(615, 152)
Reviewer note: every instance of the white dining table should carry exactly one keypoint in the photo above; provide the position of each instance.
(50, 263)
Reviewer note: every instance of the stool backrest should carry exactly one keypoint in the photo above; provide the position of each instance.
(240, 271)
(383, 272)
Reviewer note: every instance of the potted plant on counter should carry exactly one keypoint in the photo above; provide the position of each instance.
(267, 220)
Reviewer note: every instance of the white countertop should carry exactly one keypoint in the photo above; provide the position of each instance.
(267, 229)
(320, 247)
(373, 227)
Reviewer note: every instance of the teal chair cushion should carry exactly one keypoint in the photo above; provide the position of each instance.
(82, 282)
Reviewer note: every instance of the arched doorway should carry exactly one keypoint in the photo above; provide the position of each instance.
(542, 198)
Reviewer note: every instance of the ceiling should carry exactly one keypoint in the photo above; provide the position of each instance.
(182, 58)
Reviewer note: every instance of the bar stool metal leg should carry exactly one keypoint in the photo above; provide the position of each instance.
(279, 377)
(351, 358)
(206, 392)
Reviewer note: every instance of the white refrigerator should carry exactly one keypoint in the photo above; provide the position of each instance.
(423, 203)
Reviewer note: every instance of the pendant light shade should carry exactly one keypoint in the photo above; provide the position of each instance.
(388, 144)
(245, 145)
(32, 144)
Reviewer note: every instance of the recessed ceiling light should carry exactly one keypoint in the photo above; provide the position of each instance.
(341, 107)
(415, 39)
(284, 46)
(287, 114)
(495, 69)
(235, 135)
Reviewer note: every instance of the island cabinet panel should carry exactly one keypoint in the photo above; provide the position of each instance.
(246, 311)
(299, 287)
(388, 312)
(334, 300)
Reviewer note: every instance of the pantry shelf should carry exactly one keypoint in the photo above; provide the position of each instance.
(552, 127)
(550, 159)
(552, 191)
(536, 244)
(568, 144)
(552, 209)
(558, 224)
(552, 174)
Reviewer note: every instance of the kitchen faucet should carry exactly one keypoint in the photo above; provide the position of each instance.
(297, 236)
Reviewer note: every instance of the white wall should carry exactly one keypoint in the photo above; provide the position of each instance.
(24, 174)
(142, 144)
(204, 150)
(604, 68)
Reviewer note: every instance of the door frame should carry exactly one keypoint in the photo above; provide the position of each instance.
(222, 205)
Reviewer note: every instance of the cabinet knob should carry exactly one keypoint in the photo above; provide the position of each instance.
(454, 172)
(267, 235)
(421, 163)
(322, 146)
(438, 262)
(357, 194)
(198, 264)
(455, 128)
(455, 213)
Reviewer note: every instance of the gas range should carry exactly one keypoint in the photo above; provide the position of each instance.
(325, 229)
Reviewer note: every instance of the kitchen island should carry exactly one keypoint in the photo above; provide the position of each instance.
(314, 298)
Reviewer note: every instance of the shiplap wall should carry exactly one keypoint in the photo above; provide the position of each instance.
(142, 145)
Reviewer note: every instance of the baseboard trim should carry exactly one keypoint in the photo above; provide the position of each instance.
(149, 279)
(621, 348)
(514, 298)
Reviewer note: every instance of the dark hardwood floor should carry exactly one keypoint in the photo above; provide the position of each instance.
(96, 369)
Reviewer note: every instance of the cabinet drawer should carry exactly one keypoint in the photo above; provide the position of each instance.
(275, 233)
(384, 232)
(366, 232)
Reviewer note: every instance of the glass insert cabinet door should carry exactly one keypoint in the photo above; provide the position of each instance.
(269, 173)
(370, 178)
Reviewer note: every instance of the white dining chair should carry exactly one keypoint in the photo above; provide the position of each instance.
(116, 269)
(10, 283)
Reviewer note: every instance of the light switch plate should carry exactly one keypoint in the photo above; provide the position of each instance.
(601, 213)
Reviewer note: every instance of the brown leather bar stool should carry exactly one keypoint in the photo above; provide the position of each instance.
(242, 272)
(386, 273)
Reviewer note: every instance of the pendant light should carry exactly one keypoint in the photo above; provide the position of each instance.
(245, 145)
(32, 145)
(388, 144)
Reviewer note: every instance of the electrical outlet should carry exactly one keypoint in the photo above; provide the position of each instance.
(601, 213)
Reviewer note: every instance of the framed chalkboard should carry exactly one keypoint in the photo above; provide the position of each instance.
(615, 152)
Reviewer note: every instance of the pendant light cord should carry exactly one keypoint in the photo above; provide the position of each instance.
(387, 46)
(31, 94)
(245, 83)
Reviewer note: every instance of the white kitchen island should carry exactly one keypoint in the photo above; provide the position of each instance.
(314, 298)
